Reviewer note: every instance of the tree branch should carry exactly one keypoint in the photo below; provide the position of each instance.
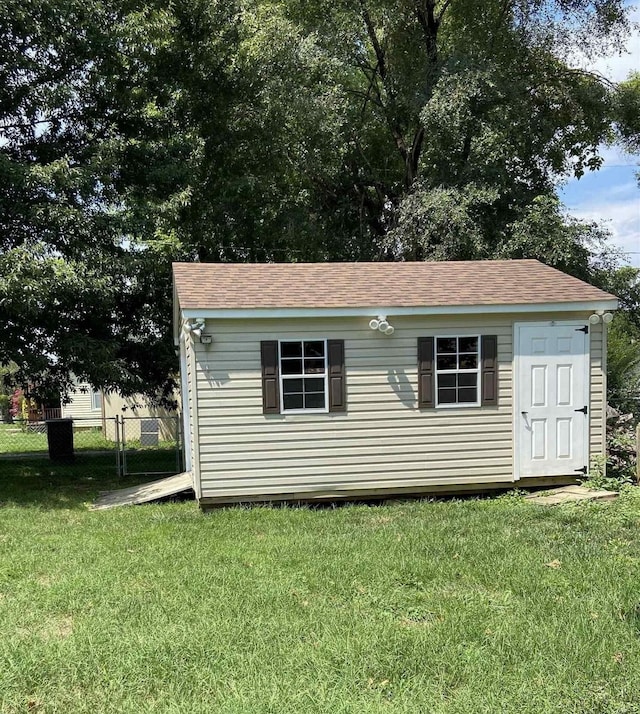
(366, 96)
(430, 25)
(373, 87)
(444, 8)
(377, 48)
(414, 156)
(380, 70)
(501, 16)
(30, 124)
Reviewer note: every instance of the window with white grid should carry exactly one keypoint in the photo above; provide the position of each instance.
(303, 375)
(457, 371)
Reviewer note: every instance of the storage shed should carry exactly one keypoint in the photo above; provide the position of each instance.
(330, 380)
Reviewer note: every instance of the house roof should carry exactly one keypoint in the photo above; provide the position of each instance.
(246, 286)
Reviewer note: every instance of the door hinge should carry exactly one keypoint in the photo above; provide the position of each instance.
(584, 329)
(584, 409)
(583, 470)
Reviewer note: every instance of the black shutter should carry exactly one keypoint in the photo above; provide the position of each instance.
(337, 377)
(426, 390)
(489, 352)
(270, 381)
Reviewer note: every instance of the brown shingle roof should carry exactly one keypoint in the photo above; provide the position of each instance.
(339, 285)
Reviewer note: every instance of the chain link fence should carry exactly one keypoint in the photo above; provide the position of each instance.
(130, 445)
(149, 445)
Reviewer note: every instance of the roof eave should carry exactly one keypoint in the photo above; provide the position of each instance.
(372, 311)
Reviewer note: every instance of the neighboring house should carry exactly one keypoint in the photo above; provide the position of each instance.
(84, 406)
(139, 415)
(92, 408)
(332, 380)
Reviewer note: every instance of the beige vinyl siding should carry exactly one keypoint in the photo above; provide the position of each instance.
(597, 390)
(383, 441)
(80, 408)
(134, 410)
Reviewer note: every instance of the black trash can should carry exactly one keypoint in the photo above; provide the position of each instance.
(60, 439)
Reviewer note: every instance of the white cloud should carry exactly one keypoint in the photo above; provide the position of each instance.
(617, 156)
(617, 66)
(621, 217)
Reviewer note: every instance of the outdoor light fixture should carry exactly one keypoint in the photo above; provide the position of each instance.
(195, 327)
(606, 317)
(382, 325)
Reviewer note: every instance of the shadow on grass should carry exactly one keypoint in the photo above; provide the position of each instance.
(42, 483)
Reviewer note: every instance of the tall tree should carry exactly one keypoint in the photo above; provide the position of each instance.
(452, 127)
(85, 282)
(135, 132)
(392, 128)
(627, 114)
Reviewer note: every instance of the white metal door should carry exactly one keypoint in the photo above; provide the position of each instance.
(551, 398)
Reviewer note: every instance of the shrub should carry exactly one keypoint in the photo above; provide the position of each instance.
(618, 467)
(623, 366)
(5, 403)
(16, 404)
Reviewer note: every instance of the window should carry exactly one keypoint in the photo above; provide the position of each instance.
(457, 370)
(303, 375)
(96, 400)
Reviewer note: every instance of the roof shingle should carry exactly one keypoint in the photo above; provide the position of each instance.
(340, 285)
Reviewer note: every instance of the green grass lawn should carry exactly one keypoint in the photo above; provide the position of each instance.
(15, 440)
(162, 458)
(452, 606)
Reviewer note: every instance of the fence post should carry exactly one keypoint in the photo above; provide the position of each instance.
(124, 446)
(116, 421)
(178, 457)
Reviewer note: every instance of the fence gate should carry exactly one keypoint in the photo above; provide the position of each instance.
(149, 446)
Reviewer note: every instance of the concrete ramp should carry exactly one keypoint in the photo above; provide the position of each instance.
(569, 494)
(144, 492)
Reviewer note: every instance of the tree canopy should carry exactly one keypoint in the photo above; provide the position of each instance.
(135, 132)
(627, 114)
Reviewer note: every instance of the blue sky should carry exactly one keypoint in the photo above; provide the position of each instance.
(611, 195)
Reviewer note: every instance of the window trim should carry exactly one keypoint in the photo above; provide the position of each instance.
(95, 408)
(477, 371)
(324, 376)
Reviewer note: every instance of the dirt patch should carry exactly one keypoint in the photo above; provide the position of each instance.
(56, 628)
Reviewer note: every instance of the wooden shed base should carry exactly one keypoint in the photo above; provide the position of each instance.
(467, 489)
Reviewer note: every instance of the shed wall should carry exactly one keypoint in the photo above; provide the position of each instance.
(383, 441)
